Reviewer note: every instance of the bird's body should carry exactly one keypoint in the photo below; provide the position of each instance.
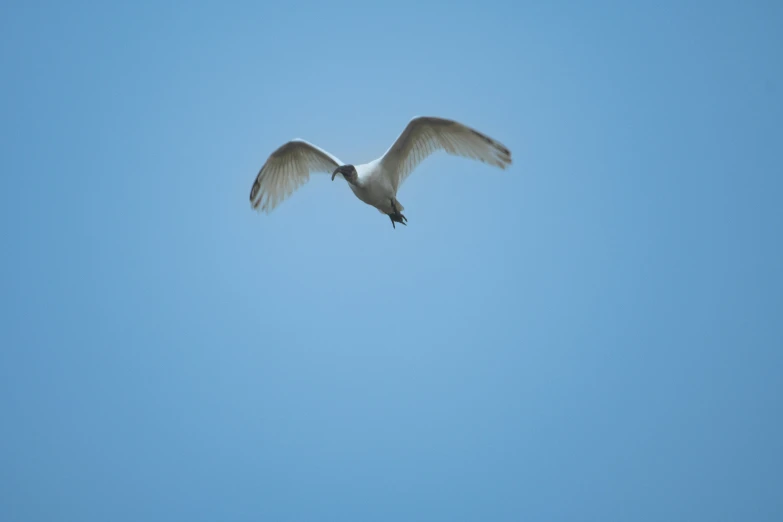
(376, 182)
(374, 188)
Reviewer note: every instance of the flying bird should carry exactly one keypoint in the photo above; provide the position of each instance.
(375, 183)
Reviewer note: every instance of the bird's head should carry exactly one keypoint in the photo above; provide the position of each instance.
(348, 172)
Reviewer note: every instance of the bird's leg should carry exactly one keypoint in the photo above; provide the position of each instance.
(396, 216)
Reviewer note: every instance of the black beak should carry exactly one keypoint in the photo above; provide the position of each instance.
(342, 169)
(345, 170)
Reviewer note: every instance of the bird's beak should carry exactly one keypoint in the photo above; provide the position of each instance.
(335, 172)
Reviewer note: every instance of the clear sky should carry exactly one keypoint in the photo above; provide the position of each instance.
(594, 334)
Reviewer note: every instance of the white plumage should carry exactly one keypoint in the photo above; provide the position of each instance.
(375, 183)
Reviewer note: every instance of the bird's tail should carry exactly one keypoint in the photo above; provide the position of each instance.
(388, 209)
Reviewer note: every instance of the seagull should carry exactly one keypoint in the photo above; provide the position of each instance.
(375, 183)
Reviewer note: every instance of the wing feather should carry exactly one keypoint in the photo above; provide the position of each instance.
(425, 135)
(287, 169)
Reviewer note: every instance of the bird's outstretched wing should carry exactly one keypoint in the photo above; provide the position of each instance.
(287, 169)
(424, 135)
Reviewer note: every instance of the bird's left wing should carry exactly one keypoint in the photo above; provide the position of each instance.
(424, 135)
(287, 169)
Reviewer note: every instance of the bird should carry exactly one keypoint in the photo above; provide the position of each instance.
(375, 183)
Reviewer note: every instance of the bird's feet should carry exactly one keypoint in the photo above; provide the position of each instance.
(396, 217)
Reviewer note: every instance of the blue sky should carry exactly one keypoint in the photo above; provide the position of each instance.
(594, 334)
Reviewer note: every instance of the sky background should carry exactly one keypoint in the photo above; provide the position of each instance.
(593, 334)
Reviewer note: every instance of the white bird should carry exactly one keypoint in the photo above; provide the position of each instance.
(375, 183)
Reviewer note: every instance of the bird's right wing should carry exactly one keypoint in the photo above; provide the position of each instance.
(287, 169)
(425, 135)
